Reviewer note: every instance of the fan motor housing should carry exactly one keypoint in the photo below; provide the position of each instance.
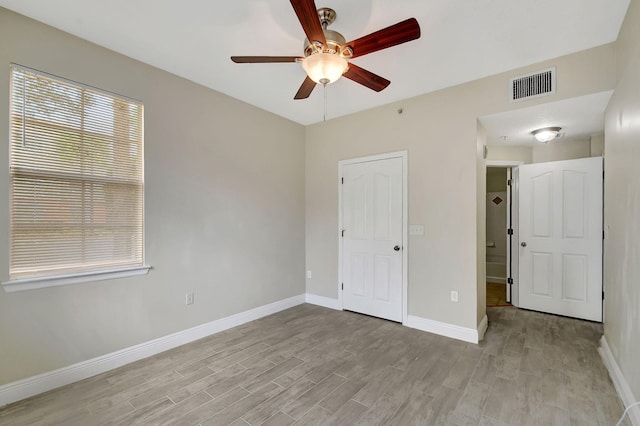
(334, 41)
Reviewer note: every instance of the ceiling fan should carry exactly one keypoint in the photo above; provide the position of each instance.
(326, 52)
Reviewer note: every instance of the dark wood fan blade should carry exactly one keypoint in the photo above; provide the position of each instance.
(308, 17)
(305, 90)
(264, 59)
(366, 78)
(399, 33)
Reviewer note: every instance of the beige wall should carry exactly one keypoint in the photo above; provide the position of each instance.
(553, 151)
(510, 153)
(446, 181)
(597, 145)
(224, 212)
(622, 205)
(561, 150)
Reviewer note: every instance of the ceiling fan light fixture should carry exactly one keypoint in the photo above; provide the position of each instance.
(327, 54)
(324, 68)
(546, 134)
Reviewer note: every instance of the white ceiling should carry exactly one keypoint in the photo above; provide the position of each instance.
(462, 40)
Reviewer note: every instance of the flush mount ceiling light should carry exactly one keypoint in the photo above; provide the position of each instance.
(546, 134)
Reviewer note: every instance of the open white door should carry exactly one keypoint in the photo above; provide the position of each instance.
(510, 237)
(560, 252)
(372, 221)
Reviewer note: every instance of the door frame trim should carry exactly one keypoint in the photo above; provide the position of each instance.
(405, 218)
(504, 163)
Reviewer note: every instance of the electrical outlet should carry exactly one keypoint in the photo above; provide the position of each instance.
(454, 296)
(309, 275)
(189, 298)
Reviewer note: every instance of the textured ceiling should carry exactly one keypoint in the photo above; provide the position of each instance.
(461, 41)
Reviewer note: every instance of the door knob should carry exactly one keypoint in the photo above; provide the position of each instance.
(523, 244)
(397, 248)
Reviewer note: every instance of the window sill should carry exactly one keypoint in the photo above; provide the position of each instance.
(58, 280)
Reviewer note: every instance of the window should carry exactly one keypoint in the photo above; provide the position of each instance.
(76, 179)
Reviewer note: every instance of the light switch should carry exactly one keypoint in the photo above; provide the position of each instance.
(416, 229)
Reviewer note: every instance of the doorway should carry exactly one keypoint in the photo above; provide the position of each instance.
(501, 233)
(373, 226)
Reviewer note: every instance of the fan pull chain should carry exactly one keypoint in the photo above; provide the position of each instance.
(325, 102)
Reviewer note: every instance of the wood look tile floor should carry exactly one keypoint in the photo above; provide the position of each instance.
(314, 366)
(497, 294)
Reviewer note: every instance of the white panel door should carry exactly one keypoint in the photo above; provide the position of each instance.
(372, 241)
(560, 251)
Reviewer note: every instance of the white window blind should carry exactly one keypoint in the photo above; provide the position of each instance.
(76, 178)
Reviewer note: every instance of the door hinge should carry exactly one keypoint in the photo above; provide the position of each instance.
(510, 231)
(342, 286)
(509, 280)
(342, 181)
(603, 175)
(342, 232)
(509, 182)
(602, 294)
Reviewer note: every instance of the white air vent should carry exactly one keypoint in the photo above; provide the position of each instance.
(534, 85)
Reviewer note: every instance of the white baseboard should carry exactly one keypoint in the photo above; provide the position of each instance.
(497, 280)
(327, 302)
(444, 329)
(25, 388)
(441, 328)
(31, 386)
(619, 382)
(482, 327)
